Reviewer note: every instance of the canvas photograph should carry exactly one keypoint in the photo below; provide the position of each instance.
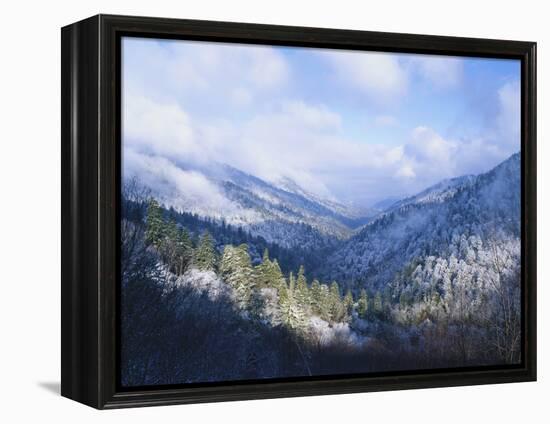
(293, 212)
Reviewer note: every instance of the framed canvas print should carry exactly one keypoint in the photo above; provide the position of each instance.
(253, 211)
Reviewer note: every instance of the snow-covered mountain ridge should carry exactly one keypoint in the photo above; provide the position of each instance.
(276, 212)
(486, 206)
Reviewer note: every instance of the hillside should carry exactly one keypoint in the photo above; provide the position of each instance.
(486, 206)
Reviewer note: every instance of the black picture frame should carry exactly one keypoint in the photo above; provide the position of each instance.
(90, 140)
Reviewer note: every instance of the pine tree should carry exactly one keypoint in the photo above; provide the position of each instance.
(336, 306)
(184, 250)
(348, 304)
(405, 299)
(302, 290)
(363, 304)
(154, 232)
(325, 303)
(169, 245)
(292, 313)
(378, 306)
(315, 297)
(276, 277)
(236, 271)
(263, 271)
(205, 254)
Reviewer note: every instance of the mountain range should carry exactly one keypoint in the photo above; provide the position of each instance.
(486, 207)
(363, 247)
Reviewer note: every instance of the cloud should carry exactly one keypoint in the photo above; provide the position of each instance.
(406, 171)
(380, 76)
(313, 116)
(300, 141)
(181, 188)
(160, 128)
(304, 142)
(428, 146)
(508, 120)
(249, 107)
(440, 71)
(385, 120)
(427, 158)
(386, 78)
(200, 74)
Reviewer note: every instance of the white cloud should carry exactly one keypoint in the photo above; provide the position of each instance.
(241, 106)
(440, 71)
(428, 146)
(200, 73)
(161, 128)
(378, 75)
(385, 120)
(406, 171)
(298, 140)
(427, 158)
(318, 117)
(385, 78)
(508, 120)
(177, 187)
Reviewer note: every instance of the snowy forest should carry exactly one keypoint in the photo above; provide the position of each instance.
(431, 281)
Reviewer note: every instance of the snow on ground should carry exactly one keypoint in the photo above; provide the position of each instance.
(204, 281)
(338, 333)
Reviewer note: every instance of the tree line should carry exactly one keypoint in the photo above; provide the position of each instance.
(296, 298)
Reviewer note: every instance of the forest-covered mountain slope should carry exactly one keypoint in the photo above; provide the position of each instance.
(274, 211)
(486, 206)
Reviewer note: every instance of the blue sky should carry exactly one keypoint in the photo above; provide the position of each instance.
(354, 126)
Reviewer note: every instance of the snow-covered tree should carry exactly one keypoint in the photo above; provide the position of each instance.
(263, 272)
(302, 290)
(348, 304)
(184, 250)
(363, 304)
(205, 254)
(154, 232)
(292, 313)
(315, 297)
(337, 309)
(237, 271)
(377, 304)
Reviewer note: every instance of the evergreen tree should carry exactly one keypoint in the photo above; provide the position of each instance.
(169, 245)
(292, 313)
(291, 284)
(363, 304)
(276, 277)
(336, 306)
(205, 254)
(184, 251)
(378, 306)
(302, 290)
(263, 272)
(325, 303)
(315, 297)
(154, 232)
(405, 299)
(348, 304)
(236, 270)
